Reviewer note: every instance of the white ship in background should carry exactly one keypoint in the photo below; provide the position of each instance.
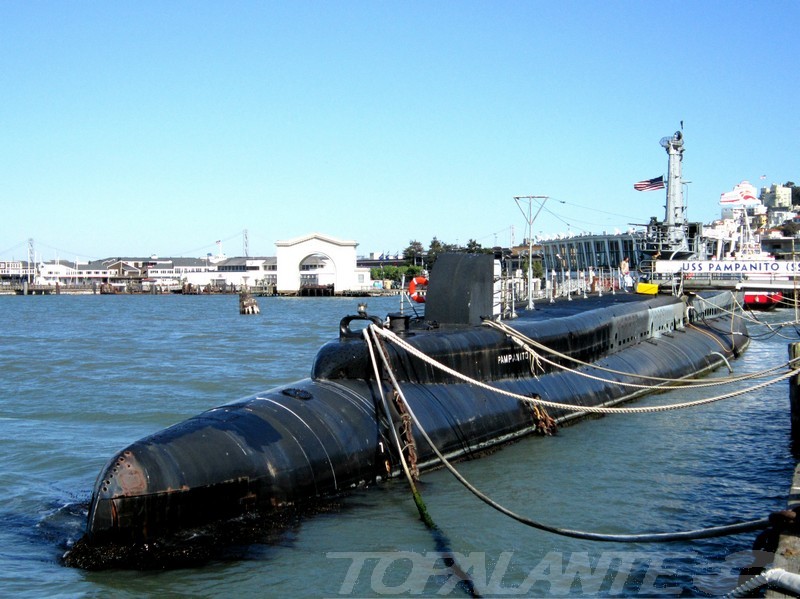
(728, 253)
(676, 253)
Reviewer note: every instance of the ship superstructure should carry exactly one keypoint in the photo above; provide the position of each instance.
(673, 238)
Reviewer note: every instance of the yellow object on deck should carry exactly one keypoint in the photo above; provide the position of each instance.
(647, 288)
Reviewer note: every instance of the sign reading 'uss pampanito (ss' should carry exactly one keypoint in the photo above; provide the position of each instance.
(721, 267)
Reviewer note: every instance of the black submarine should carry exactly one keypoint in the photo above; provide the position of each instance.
(327, 434)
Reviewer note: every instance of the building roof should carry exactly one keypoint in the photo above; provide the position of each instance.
(319, 236)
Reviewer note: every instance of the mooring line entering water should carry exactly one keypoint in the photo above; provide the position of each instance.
(441, 542)
(703, 533)
(423, 511)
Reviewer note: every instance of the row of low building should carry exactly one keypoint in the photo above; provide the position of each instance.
(314, 261)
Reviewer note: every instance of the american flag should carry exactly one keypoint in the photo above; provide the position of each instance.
(650, 184)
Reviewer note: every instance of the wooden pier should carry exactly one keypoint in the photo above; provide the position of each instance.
(787, 553)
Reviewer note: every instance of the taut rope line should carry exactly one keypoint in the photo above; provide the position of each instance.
(514, 334)
(550, 404)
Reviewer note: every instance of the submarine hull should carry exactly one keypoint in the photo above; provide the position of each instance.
(327, 434)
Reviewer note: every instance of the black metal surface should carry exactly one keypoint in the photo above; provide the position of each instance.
(460, 289)
(322, 436)
(263, 452)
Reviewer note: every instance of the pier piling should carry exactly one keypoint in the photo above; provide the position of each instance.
(794, 393)
(787, 554)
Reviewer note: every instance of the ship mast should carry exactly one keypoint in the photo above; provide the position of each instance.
(675, 217)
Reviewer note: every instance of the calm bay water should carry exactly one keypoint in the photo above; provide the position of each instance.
(83, 376)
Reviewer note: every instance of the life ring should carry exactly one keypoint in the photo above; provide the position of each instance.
(417, 296)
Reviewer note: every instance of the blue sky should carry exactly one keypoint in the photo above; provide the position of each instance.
(138, 128)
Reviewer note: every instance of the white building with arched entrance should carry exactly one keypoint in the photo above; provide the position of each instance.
(312, 265)
(316, 260)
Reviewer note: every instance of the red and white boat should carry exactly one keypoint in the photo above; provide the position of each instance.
(762, 300)
(754, 297)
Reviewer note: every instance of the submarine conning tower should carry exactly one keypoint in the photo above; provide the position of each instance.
(461, 289)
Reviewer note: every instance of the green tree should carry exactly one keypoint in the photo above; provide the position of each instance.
(789, 229)
(537, 270)
(795, 192)
(473, 247)
(414, 254)
(411, 271)
(395, 273)
(452, 247)
(434, 249)
(388, 271)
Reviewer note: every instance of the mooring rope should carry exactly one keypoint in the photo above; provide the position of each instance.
(713, 337)
(666, 382)
(749, 315)
(674, 383)
(704, 533)
(442, 543)
(773, 329)
(570, 407)
(539, 358)
(423, 510)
